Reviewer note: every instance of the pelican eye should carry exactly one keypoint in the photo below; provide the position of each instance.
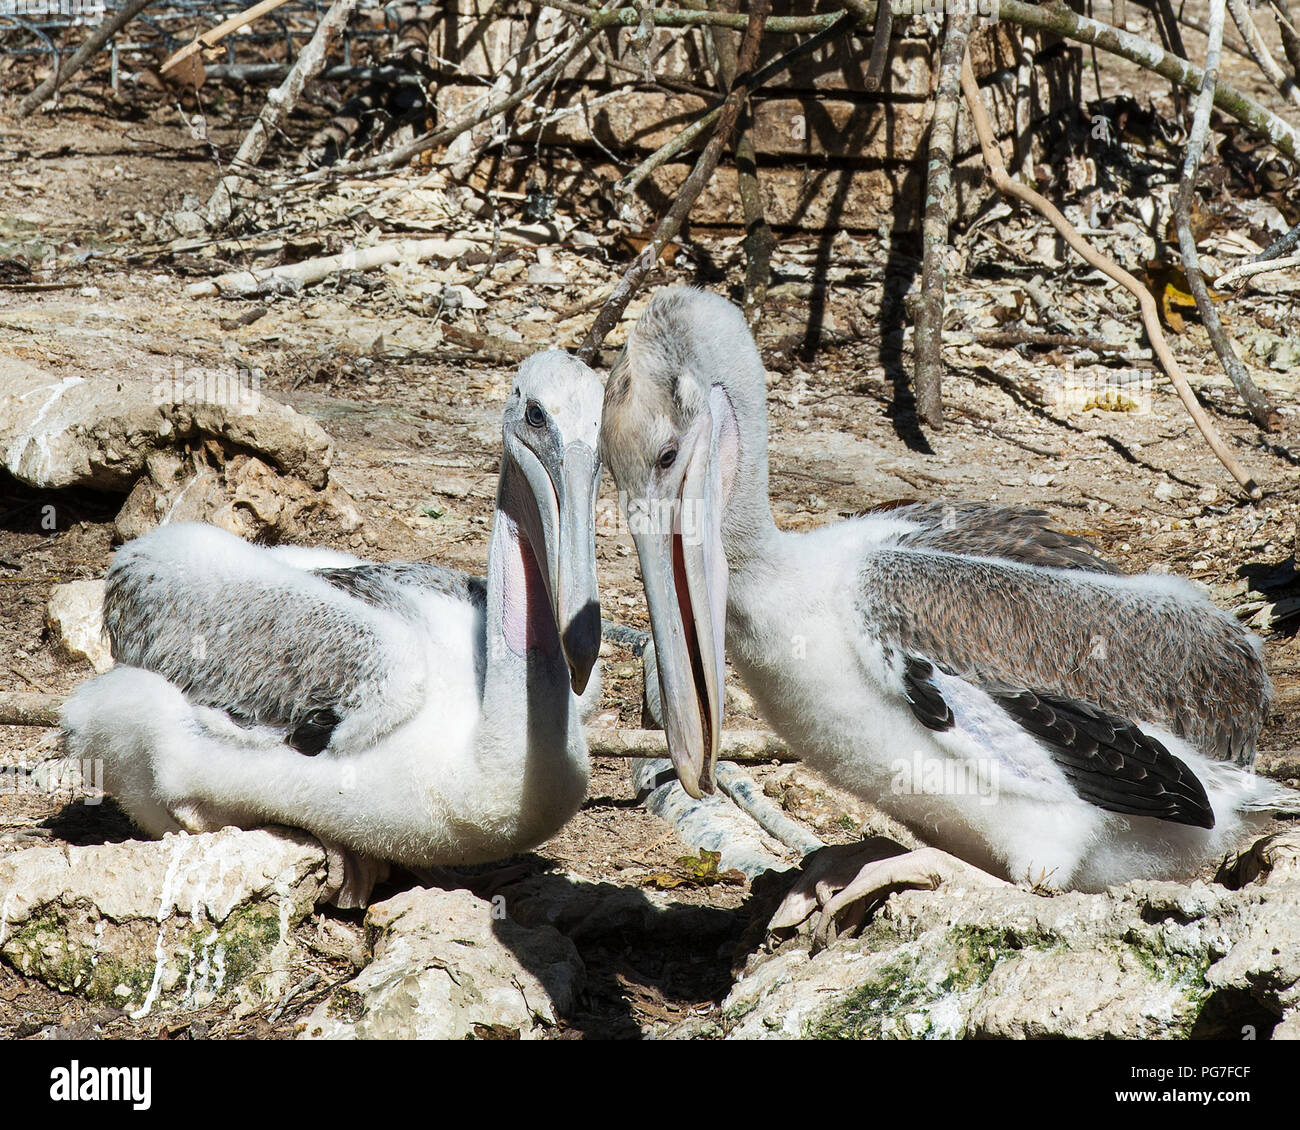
(667, 457)
(534, 414)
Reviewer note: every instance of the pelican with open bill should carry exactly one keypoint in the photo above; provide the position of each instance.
(1096, 727)
(401, 713)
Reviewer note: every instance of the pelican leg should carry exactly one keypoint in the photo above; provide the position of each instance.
(352, 877)
(843, 882)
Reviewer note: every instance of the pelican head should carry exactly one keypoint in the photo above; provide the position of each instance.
(685, 434)
(550, 474)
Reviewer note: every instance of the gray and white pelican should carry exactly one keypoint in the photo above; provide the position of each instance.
(399, 712)
(973, 671)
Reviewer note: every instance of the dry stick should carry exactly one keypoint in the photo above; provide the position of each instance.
(27, 708)
(1280, 246)
(880, 35)
(759, 242)
(101, 35)
(174, 69)
(1260, 52)
(677, 17)
(688, 135)
(1290, 31)
(1063, 22)
(928, 377)
(1249, 270)
(247, 283)
(279, 103)
(1261, 411)
(694, 184)
(1150, 315)
(737, 745)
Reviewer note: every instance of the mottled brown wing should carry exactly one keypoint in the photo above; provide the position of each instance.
(1144, 649)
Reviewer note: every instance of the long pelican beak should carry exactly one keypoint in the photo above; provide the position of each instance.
(679, 543)
(574, 597)
(564, 486)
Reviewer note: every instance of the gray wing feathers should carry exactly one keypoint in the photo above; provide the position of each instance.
(260, 639)
(382, 584)
(1147, 649)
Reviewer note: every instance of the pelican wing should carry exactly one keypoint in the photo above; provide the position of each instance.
(980, 529)
(267, 642)
(1141, 650)
(385, 584)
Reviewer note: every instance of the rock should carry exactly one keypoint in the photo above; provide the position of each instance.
(187, 223)
(177, 922)
(1147, 960)
(446, 967)
(98, 431)
(238, 492)
(1289, 1028)
(75, 618)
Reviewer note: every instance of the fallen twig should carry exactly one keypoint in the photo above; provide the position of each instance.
(1280, 246)
(176, 69)
(246, 284)
(1261, 411)
(30, 708)
(1249, 270)
(737, 745)
(497, 350)
(1150, 314)
(744, 795)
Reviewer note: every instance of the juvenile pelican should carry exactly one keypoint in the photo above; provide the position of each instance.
(403, 713)
(971, 670)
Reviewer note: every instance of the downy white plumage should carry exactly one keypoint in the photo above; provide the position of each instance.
(403, 713)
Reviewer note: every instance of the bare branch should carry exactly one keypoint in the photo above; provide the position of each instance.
(1249, 270)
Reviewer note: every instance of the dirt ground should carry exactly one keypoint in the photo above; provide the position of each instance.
(414, 420)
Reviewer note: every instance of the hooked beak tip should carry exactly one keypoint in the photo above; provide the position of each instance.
(581, 644)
